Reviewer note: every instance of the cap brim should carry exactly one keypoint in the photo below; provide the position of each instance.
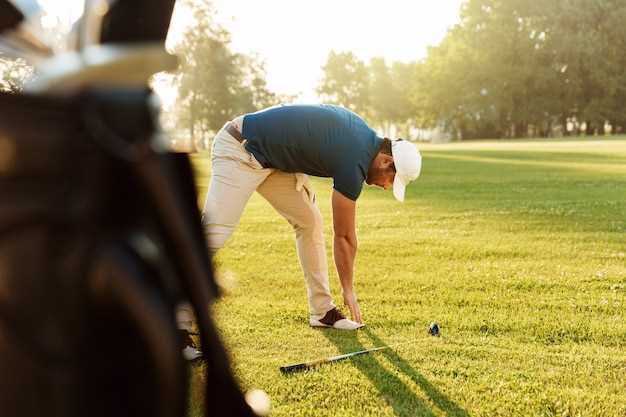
(398, 188)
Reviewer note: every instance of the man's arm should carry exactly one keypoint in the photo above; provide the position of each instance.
(345, 246)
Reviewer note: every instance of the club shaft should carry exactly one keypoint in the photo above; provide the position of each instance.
(305, 365)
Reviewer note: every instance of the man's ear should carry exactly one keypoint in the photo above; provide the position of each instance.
(386, 161)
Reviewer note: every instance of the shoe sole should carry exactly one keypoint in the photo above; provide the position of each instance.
(322, 325)
(318, 324)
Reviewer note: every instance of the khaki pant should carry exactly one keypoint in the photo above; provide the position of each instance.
(235, 175)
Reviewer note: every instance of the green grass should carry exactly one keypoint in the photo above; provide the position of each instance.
(516, 249)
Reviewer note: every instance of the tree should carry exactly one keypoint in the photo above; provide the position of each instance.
(214, 83)
(254, 85)
(375, 90)
(589, 41)
(345, 82)
(13, 74)
(511, 68)
(445, 89)
(405, 112)
(390, 103)
(382, 94)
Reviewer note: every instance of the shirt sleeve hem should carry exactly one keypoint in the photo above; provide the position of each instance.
(351, 196)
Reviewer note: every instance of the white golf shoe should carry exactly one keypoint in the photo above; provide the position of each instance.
(333, 318)
(190, 352)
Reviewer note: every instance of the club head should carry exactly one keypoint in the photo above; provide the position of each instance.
(72, 39)
(120, 22)
(89, 27)
(31, 15)
(113, 65)
(29, 40)
(21, 30)
(138, 21)
(10, 16)
(16, 49)
(29, 8)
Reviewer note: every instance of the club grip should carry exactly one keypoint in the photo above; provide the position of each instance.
(306, 365)
(293, 368)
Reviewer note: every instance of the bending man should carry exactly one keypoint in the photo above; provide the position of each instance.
(272, 152)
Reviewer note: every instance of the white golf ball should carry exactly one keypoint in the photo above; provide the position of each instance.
(259, 402)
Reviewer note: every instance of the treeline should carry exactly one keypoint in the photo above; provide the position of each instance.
(13, 73)
(509, 68)
(215, 84)
(376, 90)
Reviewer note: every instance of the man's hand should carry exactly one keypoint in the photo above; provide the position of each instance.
(349, 299)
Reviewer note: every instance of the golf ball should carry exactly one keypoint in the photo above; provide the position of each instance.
(259, 402)
(433, 329)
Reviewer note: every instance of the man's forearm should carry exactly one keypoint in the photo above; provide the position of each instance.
(344, 249)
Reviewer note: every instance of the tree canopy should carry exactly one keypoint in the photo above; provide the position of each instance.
(509, 68)
(375, 90)
(13, 74)
(214, 83)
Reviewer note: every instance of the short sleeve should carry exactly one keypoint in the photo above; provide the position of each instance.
(349, 182)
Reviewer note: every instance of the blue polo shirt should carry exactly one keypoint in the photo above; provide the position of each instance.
(320, 140)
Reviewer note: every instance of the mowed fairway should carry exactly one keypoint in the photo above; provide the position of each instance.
(516, 249)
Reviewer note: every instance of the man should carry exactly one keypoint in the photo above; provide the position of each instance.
(272, 152)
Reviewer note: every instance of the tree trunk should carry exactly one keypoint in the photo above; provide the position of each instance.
(502, 125)
(520, 130)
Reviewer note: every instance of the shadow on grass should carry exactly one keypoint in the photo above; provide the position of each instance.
(391, 388)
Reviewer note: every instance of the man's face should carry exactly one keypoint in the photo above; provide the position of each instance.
(382, 172)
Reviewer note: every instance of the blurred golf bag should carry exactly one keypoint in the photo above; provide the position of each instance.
(100, 241)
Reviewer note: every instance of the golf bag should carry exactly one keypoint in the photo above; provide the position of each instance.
(100, 241)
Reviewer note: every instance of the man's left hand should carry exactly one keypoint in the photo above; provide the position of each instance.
(349, 299)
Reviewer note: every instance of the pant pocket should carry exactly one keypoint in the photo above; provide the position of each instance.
(303, 183)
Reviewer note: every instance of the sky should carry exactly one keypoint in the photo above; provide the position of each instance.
(294, 37)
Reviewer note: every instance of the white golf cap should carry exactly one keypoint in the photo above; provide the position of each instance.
(408, 162)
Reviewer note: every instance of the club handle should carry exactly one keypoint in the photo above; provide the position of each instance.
(306, 365)
(293, 368)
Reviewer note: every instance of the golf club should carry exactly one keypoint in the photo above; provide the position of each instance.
(90, 24)
(28, 8)
(286, 369)
(10, 16)
(21, 30)
(433, 330)
(22, 45)
(127, 65)
(16, 12)
(7, 47)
